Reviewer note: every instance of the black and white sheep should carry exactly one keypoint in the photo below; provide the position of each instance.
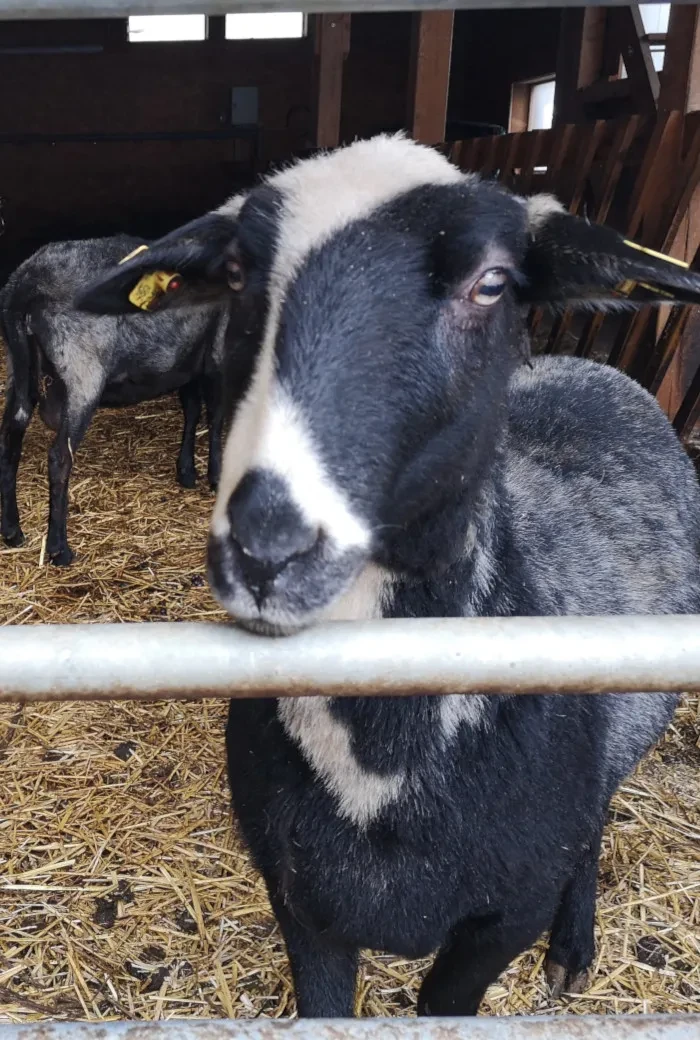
(395, 456)
(71, 363)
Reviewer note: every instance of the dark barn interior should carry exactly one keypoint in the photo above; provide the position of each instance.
(98, 134)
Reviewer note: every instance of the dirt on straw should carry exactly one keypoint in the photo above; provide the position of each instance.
(124, 890)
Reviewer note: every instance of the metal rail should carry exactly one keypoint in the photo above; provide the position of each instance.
(37, 9)
(150, 661)
(563, 1027)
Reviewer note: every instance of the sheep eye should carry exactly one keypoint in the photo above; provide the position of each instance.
(234, 275)
(489, 288)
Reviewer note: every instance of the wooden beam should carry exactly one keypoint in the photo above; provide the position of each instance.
(429, 78)
(680, 88)
(332, 46)
(580, 58)
(628, 31)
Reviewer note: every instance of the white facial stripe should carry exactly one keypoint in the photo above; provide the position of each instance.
(242, 441)
(286, 448)
(276, 438)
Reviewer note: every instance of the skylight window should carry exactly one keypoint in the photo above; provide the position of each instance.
(159, 28)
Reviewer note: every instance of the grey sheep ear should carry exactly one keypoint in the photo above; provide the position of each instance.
(183, 269)
(572, 262)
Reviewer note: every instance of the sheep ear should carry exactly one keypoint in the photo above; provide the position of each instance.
(183, 269)
(572, 262)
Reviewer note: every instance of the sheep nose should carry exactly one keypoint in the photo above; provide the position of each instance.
(267, 531)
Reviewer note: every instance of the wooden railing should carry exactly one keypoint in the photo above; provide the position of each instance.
(641, 176)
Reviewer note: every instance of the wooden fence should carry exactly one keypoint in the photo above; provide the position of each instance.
(641, 176)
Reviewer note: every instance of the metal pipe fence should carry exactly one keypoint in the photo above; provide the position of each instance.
(561, 1027)
(148, 661)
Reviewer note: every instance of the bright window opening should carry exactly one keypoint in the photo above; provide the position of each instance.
(541, 114)
(657, 56)
(655, 17)
(277, 26)
(157, 28)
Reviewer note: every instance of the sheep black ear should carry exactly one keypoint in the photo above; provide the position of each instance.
(183, 269)
(572, 262)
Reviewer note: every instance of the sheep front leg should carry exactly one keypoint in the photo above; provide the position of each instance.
(476, 953)
(213, 403)
(61, 453)
(191, 401)
(572, 942)
(325, 975)
(14, 424)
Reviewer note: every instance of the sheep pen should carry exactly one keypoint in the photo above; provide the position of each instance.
(124, 890)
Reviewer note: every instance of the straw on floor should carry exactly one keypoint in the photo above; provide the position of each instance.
(124, 891)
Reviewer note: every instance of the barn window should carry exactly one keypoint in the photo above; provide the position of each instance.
(655, 17)
(277, 26)
(541, 112)
(655, 20)
(531, 106)
(157, 28)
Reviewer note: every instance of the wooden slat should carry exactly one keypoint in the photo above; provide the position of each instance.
(464, 157)
(680, 88)
(622, 142)
(685, 184)
(564, 138)
(660, 159)
(534, 150)
(513, 150)
(586, 157)
(564, 155)
(665, 350)
(429, 79)
(629, 347)
(494, 154)
(589, 335)
(618, 149)
(332, 43)
(688, 414)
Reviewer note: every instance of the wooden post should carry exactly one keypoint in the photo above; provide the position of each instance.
(429, 78)
(579, 59)
(332, 46)
(680, 87)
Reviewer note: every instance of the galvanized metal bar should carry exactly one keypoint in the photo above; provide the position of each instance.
(39, 9)
(379, 658)
(563, 1027)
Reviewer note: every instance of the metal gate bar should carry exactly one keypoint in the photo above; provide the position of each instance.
(148, 661)
(32, 9)
(561, 1027)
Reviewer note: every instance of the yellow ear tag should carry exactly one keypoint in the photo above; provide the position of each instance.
(627, 287)
(659, 256)
(152, 286)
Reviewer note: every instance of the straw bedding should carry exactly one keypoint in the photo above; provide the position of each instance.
(124, 891)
